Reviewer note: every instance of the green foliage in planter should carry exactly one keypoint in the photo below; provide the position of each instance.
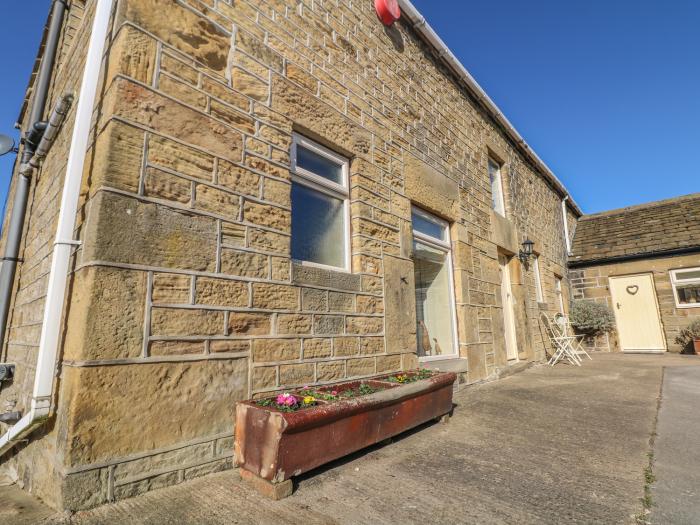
(689, 334)
(591, 318)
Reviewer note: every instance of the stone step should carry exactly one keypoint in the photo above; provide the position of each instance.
(513, 369)
(457, 365)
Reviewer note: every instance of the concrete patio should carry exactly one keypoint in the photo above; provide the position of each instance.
(549, 445)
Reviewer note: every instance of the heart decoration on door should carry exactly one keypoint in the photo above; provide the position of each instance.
(633, 289)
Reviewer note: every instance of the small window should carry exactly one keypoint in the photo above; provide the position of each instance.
(538, 280)
(320, 207)
(497, 202)
(559, 292)
(686, 287)
(435, 307)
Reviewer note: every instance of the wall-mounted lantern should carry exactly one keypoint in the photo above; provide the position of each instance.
(527, 251)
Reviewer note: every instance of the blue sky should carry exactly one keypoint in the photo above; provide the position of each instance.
(606, 92)
(21, 25)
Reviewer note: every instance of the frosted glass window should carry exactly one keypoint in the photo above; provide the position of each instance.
(320, 216)
(319, 165)
(435, 311)
(318, 233)
(497, 202)
(687, 275)
(428, 226)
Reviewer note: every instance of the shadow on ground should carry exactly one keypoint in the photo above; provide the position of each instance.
(549, 445)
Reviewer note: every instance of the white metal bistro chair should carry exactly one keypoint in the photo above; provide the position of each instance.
(568, 330)
(562, 344)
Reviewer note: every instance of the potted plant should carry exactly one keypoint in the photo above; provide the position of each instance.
(591, 318)
(290, 433)
(690, 334)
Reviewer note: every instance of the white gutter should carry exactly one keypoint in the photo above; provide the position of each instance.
(423, 28)
(567, 240)
(56, 293)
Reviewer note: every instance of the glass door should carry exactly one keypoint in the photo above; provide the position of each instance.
(435, 308)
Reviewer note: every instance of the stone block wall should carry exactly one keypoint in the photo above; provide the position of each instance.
(183, 296)
(591, 283)
(31, 280)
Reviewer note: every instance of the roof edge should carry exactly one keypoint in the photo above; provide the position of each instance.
(642, 206)
(29, 90)
(634, 257)
(420, 24)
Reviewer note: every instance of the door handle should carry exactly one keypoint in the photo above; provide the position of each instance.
(618, 306)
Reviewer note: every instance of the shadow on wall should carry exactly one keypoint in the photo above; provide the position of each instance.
(688, 349)
(396, 37)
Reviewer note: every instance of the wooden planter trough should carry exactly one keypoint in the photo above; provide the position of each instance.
(273, 444)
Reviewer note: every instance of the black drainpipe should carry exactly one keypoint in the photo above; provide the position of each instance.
(32, 137)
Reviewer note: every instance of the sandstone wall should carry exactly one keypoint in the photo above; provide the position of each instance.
(591, 283)
(36, 466)
(183, 297)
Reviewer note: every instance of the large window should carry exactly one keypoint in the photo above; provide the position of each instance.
(686, 287)
(320, 209)
(435, 308)
(538, 280)
(497, 202)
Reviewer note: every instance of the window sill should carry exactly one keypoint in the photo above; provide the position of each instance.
(304, 274)
(449, 364)
(309, 264)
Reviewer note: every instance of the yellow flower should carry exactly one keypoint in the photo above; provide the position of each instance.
(309, 400)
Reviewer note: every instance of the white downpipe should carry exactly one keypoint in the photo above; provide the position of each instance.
(56, 293)
(421, 26)
(566, 226)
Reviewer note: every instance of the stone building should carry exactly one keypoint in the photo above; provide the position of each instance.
(644, 263)
(274, 193)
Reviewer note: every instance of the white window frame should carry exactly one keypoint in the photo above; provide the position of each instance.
(444, 245)
(559, 292)
(323, 185)
(675, 281)
(539, 291)
(500, 200)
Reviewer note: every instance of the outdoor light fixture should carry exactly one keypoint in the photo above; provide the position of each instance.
(526, 252)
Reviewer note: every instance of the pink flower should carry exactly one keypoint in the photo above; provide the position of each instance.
(286, 400)
(334, 393)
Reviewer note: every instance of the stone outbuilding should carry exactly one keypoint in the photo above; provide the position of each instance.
(269, 194)
(644, 263)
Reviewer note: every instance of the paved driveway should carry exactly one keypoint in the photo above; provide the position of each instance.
(676, 493)
(549, 445)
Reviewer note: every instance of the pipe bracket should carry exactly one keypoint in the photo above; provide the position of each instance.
(68, 242)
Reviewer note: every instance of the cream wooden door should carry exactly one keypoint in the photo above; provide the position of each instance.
(637, 313)
(508, 311)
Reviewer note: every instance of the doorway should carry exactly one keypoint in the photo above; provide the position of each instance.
(637, 313)
(508, 309)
